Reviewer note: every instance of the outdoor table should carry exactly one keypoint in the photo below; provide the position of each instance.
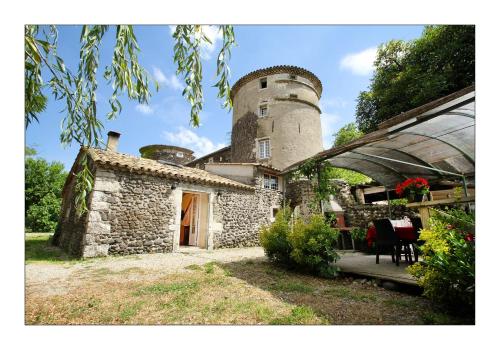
(405, 233)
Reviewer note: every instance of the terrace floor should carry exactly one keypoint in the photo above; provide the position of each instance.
(364, 265)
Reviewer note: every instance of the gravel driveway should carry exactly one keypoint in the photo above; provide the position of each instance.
(58, 278)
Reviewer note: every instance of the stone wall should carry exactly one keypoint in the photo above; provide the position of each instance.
(300, 194)
(243, 137)
(137, 213)
(221, 156)
(71, 227)
(242, 213)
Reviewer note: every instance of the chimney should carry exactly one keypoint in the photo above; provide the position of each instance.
(112, 144)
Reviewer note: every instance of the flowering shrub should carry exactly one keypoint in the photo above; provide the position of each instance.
(413, 186)
(298, 244)
(447, 272)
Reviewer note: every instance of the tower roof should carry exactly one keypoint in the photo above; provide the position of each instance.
(277, 70)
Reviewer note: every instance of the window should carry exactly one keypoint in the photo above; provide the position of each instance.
(263, 110)
(179, 155)
(294, 96)
(293, 77)
(270, 182)
(211, 159)
(263, 83)
(264, 149)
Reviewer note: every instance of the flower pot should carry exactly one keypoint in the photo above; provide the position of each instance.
(415, 197)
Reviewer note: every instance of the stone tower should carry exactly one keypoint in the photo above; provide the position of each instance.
(167, 154)
(276, 117)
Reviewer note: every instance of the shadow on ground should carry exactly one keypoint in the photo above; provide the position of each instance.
(38, 248)
(344, 300)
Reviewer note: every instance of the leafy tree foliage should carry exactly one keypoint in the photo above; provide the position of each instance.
(410, 74)
(78, 90)
(43, 186)
(346, 134)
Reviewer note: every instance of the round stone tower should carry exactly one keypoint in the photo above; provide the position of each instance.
(167, 154)
(276, 117)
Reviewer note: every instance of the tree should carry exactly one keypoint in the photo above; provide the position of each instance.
(43, 188)
(346, 134)
(81, 123)
(410, 74)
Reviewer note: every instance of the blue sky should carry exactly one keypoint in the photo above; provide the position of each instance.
(341, 57)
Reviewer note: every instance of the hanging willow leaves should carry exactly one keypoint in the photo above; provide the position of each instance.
(187, 55)
(78, 91)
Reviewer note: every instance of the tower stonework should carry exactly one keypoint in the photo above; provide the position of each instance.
(276, 117)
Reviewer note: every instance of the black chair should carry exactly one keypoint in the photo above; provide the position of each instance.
(386, 237)
(417, 226)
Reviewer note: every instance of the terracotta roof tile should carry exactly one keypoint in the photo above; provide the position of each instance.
(149, 166)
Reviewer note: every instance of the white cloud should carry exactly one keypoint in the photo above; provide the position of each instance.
(171, 81)
(184, 137)
(144, 109)
(360, 63)
(213, 33)
(329, 124)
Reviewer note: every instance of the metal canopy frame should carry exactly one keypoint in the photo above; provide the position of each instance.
(396, 153)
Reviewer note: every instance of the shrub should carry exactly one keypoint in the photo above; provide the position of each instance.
(308, 246)
(358, 234)
(313, 246)
(447, 272)
(274, 238)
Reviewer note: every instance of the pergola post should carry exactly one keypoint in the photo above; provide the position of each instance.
(388, 203)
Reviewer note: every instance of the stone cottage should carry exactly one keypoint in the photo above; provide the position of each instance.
(141, 205)
(167, 199)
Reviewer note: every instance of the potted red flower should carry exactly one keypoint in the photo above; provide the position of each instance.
(413, 189)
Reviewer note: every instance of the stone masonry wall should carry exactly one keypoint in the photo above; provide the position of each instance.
(300, 193)
(242, 213)
(243, 137)
(130, 214)
(71, 228)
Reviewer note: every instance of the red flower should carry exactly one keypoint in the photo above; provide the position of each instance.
(449, 227)
(469, 237)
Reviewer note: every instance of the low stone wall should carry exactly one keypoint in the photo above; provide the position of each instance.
(360, 215)
(300, 193)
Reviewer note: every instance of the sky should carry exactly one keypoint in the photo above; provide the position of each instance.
(340, 56)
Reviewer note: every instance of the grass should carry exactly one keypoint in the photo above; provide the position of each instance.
(229, 293)
(38, 248)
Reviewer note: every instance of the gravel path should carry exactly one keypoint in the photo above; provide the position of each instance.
(58, 278)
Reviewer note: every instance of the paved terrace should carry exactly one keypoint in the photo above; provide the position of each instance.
(364, 265)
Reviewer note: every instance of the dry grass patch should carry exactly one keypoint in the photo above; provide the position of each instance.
(244, 292)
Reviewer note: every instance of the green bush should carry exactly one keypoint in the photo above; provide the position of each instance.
(447, 272)
(313, 246)
(358, 234)
(274, 238)
(43, 216)
(298, 244)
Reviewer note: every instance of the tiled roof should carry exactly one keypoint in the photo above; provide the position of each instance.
(111, 159)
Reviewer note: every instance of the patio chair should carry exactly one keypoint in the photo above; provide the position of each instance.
(386, 237)
(417, 226)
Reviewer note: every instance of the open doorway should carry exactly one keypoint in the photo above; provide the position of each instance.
(194, 220)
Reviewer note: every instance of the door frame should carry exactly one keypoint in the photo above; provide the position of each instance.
(206, 224)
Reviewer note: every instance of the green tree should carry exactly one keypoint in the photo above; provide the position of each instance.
(410, 74)
(43, 188)
(346, 134)
(78, 90)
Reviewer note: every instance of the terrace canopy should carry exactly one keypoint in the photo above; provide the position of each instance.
(434, 141)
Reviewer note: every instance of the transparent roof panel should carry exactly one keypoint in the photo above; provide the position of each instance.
(434, 141)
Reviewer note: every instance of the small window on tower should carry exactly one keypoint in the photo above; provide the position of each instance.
(293, 77)
(294, 96)
(264, 149)
(263, 83)
(180, 155)
(263, 110)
